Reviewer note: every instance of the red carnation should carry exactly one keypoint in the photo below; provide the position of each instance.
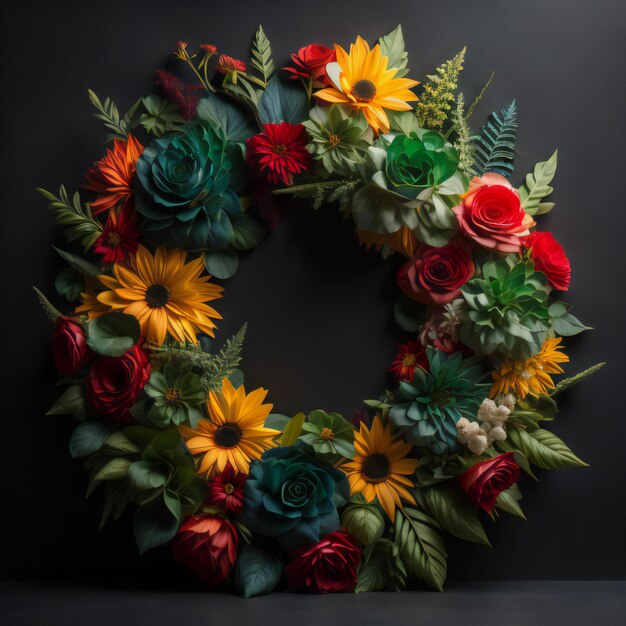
(226, 64)
(69, 347)
(329, 566)
(184, 95)
(226, 490)
(114, 383)
(411, 355)
(484, 482)
(207, 545)
(310, 62)
(549, 258)
(436, 275)
(209, 48)
(119, 238)
(279, 152)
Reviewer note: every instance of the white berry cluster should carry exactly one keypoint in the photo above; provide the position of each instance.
(492, 416)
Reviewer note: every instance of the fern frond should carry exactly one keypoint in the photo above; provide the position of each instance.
(438, 95)
(74, 215)
(495, 148)
(107, 112)
(463, 142)
(48, 308)
(327, 191)
(261, 55)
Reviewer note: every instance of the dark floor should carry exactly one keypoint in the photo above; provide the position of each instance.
(554, 603)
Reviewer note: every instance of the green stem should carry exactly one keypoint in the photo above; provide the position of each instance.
(310, 187)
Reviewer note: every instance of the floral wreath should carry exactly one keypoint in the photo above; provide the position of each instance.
(315, 502)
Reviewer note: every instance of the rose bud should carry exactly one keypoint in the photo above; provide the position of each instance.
(69, 347)
(310, 62)
(549, 258)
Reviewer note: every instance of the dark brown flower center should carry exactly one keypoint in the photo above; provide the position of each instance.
(113, 239)
(157, 296)
(228, 435)
(376, 467)
(364, 90)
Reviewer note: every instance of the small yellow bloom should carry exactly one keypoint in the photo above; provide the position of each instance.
(532, 376)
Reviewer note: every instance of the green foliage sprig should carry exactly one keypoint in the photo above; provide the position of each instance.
(495, 148)
(329, 191)
(48, 308)
(108, 113)
(261, 55)
(463, 142)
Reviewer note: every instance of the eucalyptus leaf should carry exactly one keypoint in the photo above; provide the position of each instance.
(70, 402)
(113, 333)
(258, 572)
(87, 438)
(221, 263)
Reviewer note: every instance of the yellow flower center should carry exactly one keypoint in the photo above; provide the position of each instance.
(376, 468)
(113, 239)
(171, 395)
(409, 360)
(363, 91)
(229, 488)
(334, 140)
(157, 296)
(327, 434)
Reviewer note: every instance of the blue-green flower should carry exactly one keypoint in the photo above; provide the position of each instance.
(292, 497)
(428, 407)
(187, 201)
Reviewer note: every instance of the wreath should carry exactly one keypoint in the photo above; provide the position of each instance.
(251, 498)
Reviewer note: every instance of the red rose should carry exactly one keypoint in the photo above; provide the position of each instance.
(310, 62)
(484, 482)
(491, 214)
(329, 566)
(69, 347)
(226, 490)
(435, 275)
(114, 383)
(207, 545)
(549, 258)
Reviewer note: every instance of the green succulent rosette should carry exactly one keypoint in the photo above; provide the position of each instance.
(293, 497)
(427, 408)
(176, 394)
(185, 198)
(339, 140)
(329, 434)
(416, 163)
(507, 310)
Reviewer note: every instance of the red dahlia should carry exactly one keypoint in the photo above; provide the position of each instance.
(226, 490)
(226, 64)
(119, 238)
(412, 354)
(279, 152)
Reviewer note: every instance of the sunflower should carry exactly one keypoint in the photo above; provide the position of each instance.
(91, 306)
(532, 376)
(380, 467)
(402, 241)
(166, 295)
(234, 432)
(363, 81)
(112, 177)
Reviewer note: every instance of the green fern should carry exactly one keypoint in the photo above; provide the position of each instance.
(108, 113)
(74, 215)
(438, 95)
(328, 191)
(495, 148)
(261, 55)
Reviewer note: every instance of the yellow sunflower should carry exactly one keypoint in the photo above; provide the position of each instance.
(532, 376)
(91, 306)
(363, 81)
(402, 241)
(166, 295)
(234, 432)
(380, 468)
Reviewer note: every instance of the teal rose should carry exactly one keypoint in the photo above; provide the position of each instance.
(293, 497)
(416, 163)
(186, 200)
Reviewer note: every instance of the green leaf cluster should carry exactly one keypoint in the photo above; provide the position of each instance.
(329, 434)
(382, 568)
(364, 522)
(392, 46)
(537, 187)
(108, 113)
(261, 55)
(160, 116)
(113, 334)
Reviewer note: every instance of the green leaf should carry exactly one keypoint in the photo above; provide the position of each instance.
(537, 186)
(144, 475)
(382, 568)
(69, 283)
(447, 504)
(87, 438)
(70, 402)
(113, 334)
(258, 572)
(80, 265)
(221, 263)
(392, 46)
(541, 447)
(115, 469)
(222, 113)
(292, 430)
(107, 112)
(249, 233)
(364, 522)
(495, 148)
(261, 59)
(276, 421)
(283, 102)
(160, 116)
(421, 547)
(563, 322)
(508, 501)
(119, 442)
(153, 525)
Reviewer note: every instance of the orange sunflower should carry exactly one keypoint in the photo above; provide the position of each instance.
(165, 293)
(112, 177)
(402, 241)
(235, 432)
(380, 468)
(363, 81)
(91, 306)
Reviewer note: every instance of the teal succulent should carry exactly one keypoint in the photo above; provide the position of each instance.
(329, 434)
(507, 310)
(416, 163)
(339, 140)
(186, 200)
(293, 497)
(177, 394)
(428, 407)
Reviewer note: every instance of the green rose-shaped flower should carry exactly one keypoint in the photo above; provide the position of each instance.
(416, 163)
(293, 497)
(187, 200)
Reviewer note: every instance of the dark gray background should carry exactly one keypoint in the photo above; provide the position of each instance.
(318, 307)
